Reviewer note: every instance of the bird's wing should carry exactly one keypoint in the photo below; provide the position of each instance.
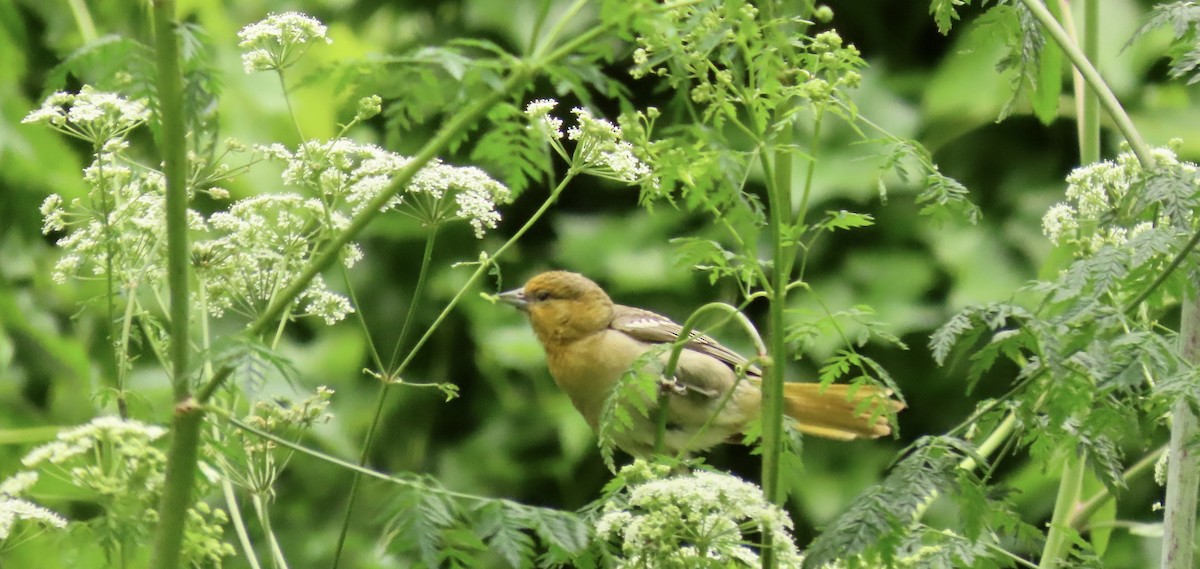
(658, 329)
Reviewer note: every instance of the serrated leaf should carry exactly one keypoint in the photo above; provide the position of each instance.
(843, 219)
(503, 534)
(944, 13)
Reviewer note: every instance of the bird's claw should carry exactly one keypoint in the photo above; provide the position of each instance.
(672, 385)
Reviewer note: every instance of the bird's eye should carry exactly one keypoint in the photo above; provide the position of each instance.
(542, 294)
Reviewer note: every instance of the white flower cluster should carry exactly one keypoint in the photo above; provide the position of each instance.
(475, 193)
(13, 509)
(600, 150)
(279, 40)
(94, 116)
(343, 172)
(1090, 218)
(119, 226)
(694, 520)
(263, 244)
(85, 439)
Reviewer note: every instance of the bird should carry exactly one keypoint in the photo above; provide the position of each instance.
(591, 342)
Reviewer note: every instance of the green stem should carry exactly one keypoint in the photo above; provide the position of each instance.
(1090, 142)
(559, 26)
(685, 338)
(182, 455)
(985, 450)
(239, 526)
(1085, 511)
(1106, 97)
(775, 367)
(83, 20)
(351, 466)
(123, 363)
(288, 101)
(264, 519)
(1183, 463)
(418, 292)
(381, 398)
(110, 292)
(1058, 543)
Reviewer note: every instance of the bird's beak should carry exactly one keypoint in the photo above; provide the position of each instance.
(516, 298)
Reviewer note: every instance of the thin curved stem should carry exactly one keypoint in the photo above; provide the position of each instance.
(1107, 99)
(381, 397)
(685, 338)
(1080, 517)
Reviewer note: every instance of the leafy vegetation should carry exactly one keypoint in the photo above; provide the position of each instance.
(252, 320)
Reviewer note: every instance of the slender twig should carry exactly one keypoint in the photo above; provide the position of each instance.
(685, 338)
(350, 465)
(83, 20)
(239, 526)
(1085, 511)
(381, 397)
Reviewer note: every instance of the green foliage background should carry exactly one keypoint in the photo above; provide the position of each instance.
(511, 433)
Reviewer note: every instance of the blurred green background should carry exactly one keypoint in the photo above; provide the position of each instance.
(511, 433)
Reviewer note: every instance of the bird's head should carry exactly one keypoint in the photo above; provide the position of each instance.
(562, 306)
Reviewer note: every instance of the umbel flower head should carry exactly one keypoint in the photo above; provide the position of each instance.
(13, 509)
(600, 146)
(702, 519)
(94, 116)
(342, 173)
(1096, 212)
(278, 41)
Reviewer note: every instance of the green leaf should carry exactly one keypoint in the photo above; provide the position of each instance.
(503, 533)
(843, 219)
(945, 12)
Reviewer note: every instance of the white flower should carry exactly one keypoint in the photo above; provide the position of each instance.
(693, 519)
(53, 214)
(18, 483)
(14, 510)
(1059, 221)
(82, 439)
(602, 150)
(279, 40)
(95, 116)
(538, 113)
(327, 305)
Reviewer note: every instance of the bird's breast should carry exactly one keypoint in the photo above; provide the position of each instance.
(587, 368)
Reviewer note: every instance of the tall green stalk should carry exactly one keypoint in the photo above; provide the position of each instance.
(1183, 463)
(185, 444)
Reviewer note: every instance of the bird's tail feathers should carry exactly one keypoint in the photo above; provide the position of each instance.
(840, 412)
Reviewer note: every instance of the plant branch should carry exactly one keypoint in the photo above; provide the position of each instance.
(1106, 97)
(381, 398)
(1084, 512)
(1058, 542)
(685, 338)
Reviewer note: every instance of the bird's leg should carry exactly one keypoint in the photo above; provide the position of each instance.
(672, 385)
